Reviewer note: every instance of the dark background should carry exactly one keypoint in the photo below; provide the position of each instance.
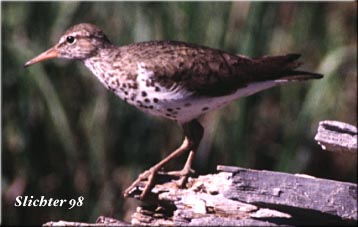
(64, 135)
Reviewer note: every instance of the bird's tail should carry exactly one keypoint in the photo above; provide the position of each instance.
(281, 69)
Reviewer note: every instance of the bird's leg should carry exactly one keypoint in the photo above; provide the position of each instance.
(194, 131)
(184, 173)
(193, 134)
(149, 174)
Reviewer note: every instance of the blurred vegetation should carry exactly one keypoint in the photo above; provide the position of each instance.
(64, 135)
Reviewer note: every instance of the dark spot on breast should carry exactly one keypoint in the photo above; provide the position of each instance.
(155, 100)
(169, 109)
(114, 83)
(157, 89)
(187, 104)
(146, 100)
(178, 108)
(133, 85)
(149, 83)
(151, 107)
(144, 94)
(126, 92)
(105, 78)
(205, 108)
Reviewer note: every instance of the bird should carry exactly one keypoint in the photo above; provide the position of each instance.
(172, 79)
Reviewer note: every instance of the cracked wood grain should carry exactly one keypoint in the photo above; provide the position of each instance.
(337, 136)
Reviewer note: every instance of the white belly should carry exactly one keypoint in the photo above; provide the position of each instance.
(191, 108)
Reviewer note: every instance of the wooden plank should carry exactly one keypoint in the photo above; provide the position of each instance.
(302, 196)
(243, 197)
(337, 136)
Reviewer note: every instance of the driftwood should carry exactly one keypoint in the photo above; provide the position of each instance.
(337, 136)
(101, 221)
(243, 197)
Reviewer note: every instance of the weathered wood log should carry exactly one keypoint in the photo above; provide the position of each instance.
(101, 221)
(241, 197)
(244, 197)
(337, 136)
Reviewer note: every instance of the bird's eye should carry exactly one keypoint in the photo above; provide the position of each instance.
(70, 39)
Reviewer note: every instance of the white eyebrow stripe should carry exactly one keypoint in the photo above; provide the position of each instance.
(74, 34)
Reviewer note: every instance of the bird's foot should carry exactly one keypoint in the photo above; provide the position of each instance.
(148, 178)
(182, 174)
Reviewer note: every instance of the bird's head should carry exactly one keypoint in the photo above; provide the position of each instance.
(78, 42)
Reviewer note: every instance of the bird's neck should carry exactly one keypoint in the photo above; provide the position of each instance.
(100, 64)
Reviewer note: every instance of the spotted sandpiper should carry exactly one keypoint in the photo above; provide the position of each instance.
(175, 80)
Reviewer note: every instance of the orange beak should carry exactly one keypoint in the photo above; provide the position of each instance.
(49, 54)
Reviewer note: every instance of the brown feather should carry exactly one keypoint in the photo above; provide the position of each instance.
(204, 70)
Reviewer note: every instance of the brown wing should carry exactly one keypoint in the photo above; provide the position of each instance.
(207, 71)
